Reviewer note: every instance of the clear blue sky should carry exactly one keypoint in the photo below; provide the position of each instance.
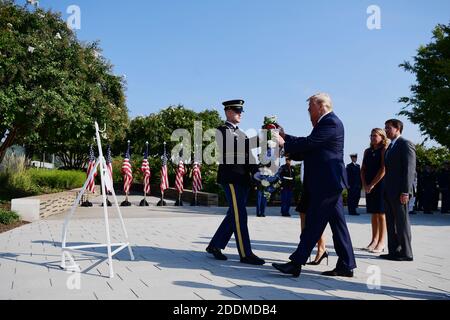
(273, 54)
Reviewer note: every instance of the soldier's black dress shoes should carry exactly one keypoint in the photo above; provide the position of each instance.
(253, 259)
(217, 253)
(289, 268)
(338, 273)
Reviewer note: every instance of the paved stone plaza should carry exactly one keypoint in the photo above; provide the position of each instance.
(171, 263)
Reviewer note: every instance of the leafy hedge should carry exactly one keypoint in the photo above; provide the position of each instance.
(38, 181)
(56, 179)
(8, 217)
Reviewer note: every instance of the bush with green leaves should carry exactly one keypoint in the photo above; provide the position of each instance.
(8, 217)
(57, 179)
(32, 182)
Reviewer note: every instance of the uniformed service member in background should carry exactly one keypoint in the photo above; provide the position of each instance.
(287, 174)
(236, 169)
(428, 189)
(444, 187)
(261, 202)
(355, 185)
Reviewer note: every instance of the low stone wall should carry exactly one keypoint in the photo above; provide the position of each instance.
(55, 203)
(203, 198)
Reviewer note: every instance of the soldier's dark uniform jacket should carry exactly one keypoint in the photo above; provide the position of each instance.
(236, 161)
(287, 174)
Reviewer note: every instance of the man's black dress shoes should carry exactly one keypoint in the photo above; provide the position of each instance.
(289, 268)
(253, 259)
(338, 273)
(217, 253)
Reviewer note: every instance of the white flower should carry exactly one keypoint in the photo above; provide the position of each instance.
(272, 144)
(265, 171)
(58, 36)
(9, 25)
(265, 183)
(31, 49)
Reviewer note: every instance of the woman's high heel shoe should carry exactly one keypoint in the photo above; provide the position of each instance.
(377, 251)
(316, 263)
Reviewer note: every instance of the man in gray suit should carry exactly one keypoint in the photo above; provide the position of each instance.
(400, 163)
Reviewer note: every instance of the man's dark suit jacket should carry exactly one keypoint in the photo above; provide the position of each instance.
(400, 163)
(323, 154)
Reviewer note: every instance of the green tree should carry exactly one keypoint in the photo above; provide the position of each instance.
(430, 100)
(53, 87)
(431, 156)
(157, 128)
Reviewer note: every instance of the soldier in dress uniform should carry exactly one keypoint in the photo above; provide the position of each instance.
(287, 174)
(429, 187)
(355, 185)
(444, 187)
(236, 169)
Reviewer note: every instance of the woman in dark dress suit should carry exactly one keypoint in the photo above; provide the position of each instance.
(372, 176)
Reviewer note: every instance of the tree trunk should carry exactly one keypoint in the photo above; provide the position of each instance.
(8, 143)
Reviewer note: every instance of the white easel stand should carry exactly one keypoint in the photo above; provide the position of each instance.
(67, 250)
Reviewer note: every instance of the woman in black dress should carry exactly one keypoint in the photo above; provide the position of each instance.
(372, 176)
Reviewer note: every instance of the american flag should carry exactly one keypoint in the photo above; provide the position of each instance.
(196, 178)
(91, 166)
(179, 178)
(109, 166)
(164, 175)
(126, 171)
(145, 168)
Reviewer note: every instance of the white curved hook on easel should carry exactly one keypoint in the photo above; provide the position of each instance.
(102, 132)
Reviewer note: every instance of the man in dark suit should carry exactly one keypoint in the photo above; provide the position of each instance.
(323, 154)
(354, 185)
(236, 168)
(400, 163)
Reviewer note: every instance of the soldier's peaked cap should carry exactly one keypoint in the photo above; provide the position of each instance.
(237, 105)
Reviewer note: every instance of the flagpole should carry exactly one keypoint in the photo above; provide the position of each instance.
(162, 203)
(144, 202)
(126, 203)
(86, 202)
(179, 203)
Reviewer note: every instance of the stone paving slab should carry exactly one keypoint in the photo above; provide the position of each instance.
(169, 243)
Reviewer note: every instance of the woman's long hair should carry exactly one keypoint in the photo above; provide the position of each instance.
(384, 142)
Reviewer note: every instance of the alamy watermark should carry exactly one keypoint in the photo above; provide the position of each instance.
(74, 19)
(374, 19)
(374, 280)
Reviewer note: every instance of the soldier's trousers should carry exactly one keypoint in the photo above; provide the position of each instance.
(354, 195)
(286, 199)
(261, 203)
(235, 221)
